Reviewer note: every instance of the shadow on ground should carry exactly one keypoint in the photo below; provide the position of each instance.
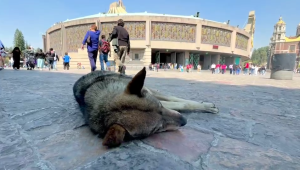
(41, 128)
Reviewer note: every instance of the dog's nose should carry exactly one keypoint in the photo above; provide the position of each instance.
(183, 121)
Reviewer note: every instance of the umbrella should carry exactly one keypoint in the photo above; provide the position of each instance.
(1, 44)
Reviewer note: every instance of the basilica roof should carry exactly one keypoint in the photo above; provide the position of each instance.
(292, 39)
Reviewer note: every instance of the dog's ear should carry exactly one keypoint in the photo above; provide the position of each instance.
(136, 84)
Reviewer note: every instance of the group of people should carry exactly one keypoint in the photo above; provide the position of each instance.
(38, 59)
(236, 69)
(120, 44)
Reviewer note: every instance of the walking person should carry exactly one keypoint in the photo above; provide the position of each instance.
(230, 68)
(91, 39)
(213, 67)
(122, 35)
(40, 59)
(50, 58)
(55, 60)
(104, 50)
(66, 59)
(17, 57)
(246, 68)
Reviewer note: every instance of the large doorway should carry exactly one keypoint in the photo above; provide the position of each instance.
(158, 57)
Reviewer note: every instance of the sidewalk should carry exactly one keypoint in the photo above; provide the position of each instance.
(257, 127)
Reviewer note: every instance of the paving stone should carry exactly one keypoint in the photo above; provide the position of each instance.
(186, 143)
(135, 158)
(71, 148)
(230, 154)
(258, 125)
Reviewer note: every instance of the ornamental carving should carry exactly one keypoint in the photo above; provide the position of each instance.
(136, 29)
(162, 31)
(215, 36)
(241, 42)
(56, 41)
(75, 35)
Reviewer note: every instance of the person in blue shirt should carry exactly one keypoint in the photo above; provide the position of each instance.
(92, 40)
(66, 59)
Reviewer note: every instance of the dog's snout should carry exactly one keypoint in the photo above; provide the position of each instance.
(183, 121)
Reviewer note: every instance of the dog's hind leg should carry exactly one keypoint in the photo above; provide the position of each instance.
(179, 104)
(190, 106)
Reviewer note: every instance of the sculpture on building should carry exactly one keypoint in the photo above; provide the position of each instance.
(117, 8)
(250, 27)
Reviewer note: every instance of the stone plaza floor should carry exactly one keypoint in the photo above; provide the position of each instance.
(258, 126)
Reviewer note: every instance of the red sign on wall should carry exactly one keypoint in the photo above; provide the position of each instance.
(215, 47)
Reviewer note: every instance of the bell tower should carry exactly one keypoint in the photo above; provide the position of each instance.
(298, 31)
(279, 31)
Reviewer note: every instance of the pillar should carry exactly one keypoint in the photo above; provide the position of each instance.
(186, 58)
(147, 56)
(207, 62)
(44, 43)
(173, 57)
(215, 58)
(63, 40)
(229, 60)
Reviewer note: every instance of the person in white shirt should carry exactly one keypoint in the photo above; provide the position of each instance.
(213, 68)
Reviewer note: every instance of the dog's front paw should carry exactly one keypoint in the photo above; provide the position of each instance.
(210, 107)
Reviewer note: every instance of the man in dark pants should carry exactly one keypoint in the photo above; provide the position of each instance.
(124, 45)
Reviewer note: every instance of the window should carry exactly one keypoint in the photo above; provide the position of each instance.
(292, 49)
(136, 56)
(280, 28)
(279, 36)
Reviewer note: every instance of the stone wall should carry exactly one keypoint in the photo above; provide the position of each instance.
(156, 32)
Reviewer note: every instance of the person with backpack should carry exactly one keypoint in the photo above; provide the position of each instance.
(104, 48)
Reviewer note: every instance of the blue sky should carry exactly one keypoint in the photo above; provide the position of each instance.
(34, 17)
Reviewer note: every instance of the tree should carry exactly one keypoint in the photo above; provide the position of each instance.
(19, 40)
(37, 50)
(27, 45)
(260, 56)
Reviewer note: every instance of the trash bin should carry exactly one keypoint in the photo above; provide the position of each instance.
(283, 66)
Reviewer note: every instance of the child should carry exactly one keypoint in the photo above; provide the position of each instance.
(66, 59)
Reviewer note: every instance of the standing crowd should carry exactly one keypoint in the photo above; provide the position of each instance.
(236, 69)
(32, 60)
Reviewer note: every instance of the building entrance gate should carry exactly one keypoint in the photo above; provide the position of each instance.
(157, 57)
(194, 59)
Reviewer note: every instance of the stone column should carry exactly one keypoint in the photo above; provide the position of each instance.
(173, 57)
(207, 62)
(44, 43)
(147, 56)
(186, 57)
(229, 60)
(148, 33)
(63, 40)
(215, 58)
